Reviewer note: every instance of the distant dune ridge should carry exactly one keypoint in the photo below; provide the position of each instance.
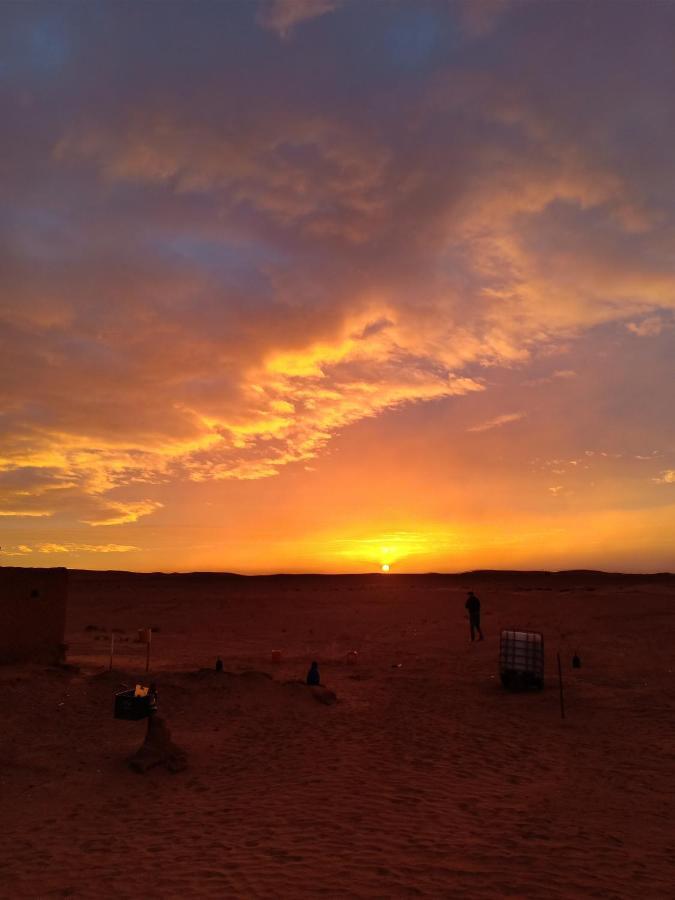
(425, 779)
(482, 575)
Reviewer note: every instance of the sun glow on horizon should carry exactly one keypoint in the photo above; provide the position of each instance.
(389, 548)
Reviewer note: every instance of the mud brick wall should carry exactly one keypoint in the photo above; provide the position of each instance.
(32, 614)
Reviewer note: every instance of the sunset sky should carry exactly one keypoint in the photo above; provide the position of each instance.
(311, 285)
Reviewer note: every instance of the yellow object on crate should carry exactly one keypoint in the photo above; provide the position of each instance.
(141, 691)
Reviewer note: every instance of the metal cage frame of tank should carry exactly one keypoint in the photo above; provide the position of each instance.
(521, 659)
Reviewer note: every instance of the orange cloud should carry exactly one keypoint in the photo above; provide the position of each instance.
(15, 513)
(283, 16)
(498, 421)
(306, 170)
(24, 550)
(126, 512)
(649, 327)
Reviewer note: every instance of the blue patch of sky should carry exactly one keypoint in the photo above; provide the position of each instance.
(40, 233)
(241, 264)
(40, 47)
(221, 255)
(48, 44)
(364, 48)
(413, 38)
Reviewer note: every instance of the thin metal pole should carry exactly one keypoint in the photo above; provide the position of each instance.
(560, 684)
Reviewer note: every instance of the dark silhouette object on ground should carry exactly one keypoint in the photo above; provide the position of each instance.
(219, 665)
(472, 605)
(576, 661)
(313, 677)
(158, 749)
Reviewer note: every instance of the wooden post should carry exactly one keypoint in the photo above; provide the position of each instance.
(560, 684)
(147, 649)
(112, 649)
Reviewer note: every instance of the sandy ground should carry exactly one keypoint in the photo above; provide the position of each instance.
(426, 779)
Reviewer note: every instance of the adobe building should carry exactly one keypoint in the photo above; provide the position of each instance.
(32, 614)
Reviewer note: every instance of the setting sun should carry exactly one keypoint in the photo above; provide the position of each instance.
(385, 567)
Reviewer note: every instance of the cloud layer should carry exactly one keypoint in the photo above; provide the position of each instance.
(231, 241)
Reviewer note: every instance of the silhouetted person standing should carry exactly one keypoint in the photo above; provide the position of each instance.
(313, 678)
(472, 605)
(219, 665)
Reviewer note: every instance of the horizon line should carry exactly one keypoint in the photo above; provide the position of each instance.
(370, 573)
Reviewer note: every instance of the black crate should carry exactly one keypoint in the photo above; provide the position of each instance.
(129, 707)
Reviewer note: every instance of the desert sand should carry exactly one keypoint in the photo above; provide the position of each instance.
(425, 779)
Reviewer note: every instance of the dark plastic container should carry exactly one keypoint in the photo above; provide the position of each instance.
(132, 708)
(521, 660)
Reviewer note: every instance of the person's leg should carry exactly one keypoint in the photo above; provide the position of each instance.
(473, 629)
(480, 633)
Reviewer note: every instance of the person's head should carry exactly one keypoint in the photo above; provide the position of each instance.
(315, 665)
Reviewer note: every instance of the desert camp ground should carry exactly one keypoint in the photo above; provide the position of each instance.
(425, 779)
